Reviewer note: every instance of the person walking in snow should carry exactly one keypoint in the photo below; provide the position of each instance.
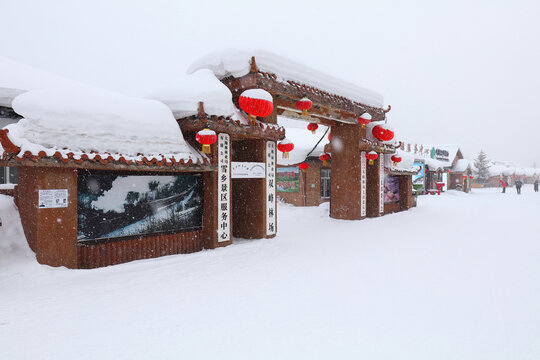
(518, 186)
(535, 185)
(503, 184)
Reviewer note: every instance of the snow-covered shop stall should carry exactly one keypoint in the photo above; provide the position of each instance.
(399, 169)
(245, 151)
(316, 99)
(105, 179)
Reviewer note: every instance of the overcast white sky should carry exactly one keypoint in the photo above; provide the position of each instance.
(464, 72)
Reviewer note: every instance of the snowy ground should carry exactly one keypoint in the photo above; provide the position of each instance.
(458, 277)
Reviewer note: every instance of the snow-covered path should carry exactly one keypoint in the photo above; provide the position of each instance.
(458, 277)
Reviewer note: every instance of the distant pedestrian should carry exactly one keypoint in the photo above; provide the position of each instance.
(503, 184)
(535, 185)
(518, 186)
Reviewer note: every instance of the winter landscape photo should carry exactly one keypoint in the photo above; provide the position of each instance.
(112, 206)
(269, 180)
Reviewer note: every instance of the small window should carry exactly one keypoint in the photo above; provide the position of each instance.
(13, 175)
(2, 175)
(325, 182)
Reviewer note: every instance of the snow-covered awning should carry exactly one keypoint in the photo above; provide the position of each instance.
(237, 63)
(405, 165)
(77, 124)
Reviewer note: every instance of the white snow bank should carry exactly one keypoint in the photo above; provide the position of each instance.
(303, 140)
(184, 95)
(87, 120)
(237, 63)
(16, 78)
(462, 165)
(13, 246)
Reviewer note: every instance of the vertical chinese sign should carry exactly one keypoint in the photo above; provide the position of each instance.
(381, 183)
(270, 188)
(363, 183)
(224, 205)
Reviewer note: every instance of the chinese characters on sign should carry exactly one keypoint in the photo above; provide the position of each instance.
(270, 188)
(363, 183)
(224, 213)
(288, 179)
(381, 184)
(54, 198)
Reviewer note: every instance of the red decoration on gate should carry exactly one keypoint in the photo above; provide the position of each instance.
(324, 158)
(382, 133)
(364, 119)
(396, 159)
(312, 127)
(285, 146)
(304, 104)
(372, 156)
(303, 166)
(256, 102)
(330, 136)
(206, 137)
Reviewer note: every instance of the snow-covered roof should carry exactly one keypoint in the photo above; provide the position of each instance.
(85, 124)
(16, 78)
(451, 148)
(303, 140)
(406, 164)
(184, 95)
(237, 63)
(462, 165)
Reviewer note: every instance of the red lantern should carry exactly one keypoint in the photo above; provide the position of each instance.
(303, 166)
(256, 102)
(285, 146)
(471, 177)
(364, 119)
(464, 176)
(304, 104)
(396, 159)
(372, 156)
(312, 127)
(206, 137)
(382, 133)
(324, 158)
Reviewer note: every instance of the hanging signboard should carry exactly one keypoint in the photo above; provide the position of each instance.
(270, 188)
(381, 185)
(363, 183)
(224, 212)
(53, 198)
(247, 170)
(288, 179)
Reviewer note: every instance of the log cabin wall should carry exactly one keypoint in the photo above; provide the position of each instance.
(346, 171)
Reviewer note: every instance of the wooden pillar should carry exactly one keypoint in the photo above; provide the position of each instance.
(374, 188)
(345, 202)
(248, 195)
(405, 192)
(51, 232)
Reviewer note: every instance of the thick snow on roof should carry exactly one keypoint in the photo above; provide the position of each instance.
(16, 78)
(237, 63)
(406, 164)
(303, 140)
(184, 95)
(85, 121)
(462, 165)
